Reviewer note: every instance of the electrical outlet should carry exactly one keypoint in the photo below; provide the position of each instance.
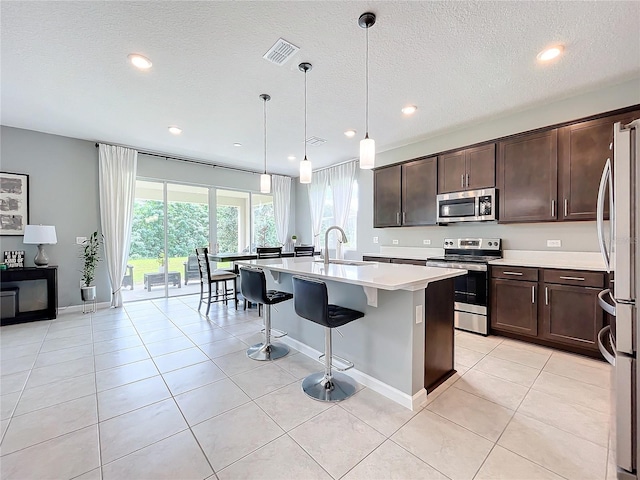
(426, 242)
(554, 243)
(375, 239)
(80, 240)
(418, 314)
(395, 242)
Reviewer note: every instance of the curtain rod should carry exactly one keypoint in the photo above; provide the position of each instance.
(355, 160)
(188, 160)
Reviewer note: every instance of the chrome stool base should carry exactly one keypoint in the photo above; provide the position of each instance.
(338, 388)
(263, 352)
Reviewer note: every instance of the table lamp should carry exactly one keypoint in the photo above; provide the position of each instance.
(40, 235)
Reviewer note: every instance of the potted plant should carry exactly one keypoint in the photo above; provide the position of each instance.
(294, 239)
(91, 256)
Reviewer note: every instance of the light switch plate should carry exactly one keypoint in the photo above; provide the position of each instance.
(554, 243)
(418, 314)
(80, 240)
(375, 239)
(426, 242)
(395, 242)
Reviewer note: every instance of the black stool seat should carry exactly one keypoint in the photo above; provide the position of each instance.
(310, 301)
(253, 285)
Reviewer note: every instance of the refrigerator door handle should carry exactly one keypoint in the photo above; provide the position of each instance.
(606, 306)
(605, 181)
(603, 350)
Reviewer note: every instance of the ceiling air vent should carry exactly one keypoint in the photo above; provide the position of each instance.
(315, 141)
(281, 52)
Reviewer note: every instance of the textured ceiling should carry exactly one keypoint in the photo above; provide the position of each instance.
(64, 70)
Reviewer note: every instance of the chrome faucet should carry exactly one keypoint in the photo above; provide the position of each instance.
(326, 241)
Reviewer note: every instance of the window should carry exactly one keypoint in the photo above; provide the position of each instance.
(329, 220)
(263, 220)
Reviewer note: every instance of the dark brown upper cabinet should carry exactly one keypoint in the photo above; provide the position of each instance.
(527, 174)
(468, 169)
(387, 199)
(583, 149)
(405, 195)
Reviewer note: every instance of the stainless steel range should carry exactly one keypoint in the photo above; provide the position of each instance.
(471, 290)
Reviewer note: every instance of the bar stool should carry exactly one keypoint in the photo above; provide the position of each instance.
(304, 251)
(208, 278)
(265, 252)
(310, 301)
(253, 286)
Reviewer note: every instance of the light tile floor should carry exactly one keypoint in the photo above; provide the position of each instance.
(154, 390)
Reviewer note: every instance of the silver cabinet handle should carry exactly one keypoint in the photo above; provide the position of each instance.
(462, 180)
(553, 208)
(404, 217)
(467, 180)
(605, 353)
(546, 296)
(580, 279)
(533, 294)
(512, 273)
(397, 218)
(606, 306)
(566, 207)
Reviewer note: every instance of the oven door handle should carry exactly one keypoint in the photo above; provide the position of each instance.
(480, 267)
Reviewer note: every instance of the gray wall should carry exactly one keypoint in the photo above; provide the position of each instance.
(575, 236)
(63, 191)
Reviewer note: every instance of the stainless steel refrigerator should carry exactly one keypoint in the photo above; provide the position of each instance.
(622, 258)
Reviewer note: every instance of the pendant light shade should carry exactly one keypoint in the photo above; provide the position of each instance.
(305, 165)
(367, 153)
(265, 179)
(367, 145)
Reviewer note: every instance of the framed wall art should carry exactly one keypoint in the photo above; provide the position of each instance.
(14, 203)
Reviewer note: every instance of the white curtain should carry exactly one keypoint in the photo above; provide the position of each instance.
(341, 179)
(317, 189)
(117, 167)
(281, 202)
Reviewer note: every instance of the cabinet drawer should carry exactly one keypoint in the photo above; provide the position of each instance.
(515, 273)
(574, 277)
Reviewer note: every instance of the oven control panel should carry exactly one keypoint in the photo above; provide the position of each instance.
(473, 243)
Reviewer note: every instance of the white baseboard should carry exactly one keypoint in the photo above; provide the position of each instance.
(78, 308)
(414, 402)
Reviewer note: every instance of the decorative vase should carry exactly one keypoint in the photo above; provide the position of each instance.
(88, 294)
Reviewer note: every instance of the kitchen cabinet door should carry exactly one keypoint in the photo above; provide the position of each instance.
(481, 167)
(527, 174)
(452, 172)
(419, 184)
(583, 149)
(514, 306)
(387, 196)
(572, 315)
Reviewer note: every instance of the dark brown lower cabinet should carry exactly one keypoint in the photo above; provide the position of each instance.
(572, 315)
(560, 310)
(514, 306)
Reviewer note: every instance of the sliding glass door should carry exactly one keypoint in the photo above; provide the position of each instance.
(169, 222)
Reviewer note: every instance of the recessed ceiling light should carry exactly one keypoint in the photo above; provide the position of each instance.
(291, 157)
(237, 144)
(175, 130)
(550, 53)
(409, 109)
(350, 133)
(139, 61)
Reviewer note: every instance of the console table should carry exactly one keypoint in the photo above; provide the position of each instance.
(158, 279)
(12, 276)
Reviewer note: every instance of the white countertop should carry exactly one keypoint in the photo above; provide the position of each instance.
(542, 259)
(384, 276)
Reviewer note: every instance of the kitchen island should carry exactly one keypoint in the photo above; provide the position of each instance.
(403, 347)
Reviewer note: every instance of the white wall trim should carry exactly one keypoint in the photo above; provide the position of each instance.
(415, 402)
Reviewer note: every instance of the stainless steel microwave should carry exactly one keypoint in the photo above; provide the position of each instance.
(469, 206)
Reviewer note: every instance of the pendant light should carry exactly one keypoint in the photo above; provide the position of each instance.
(305, 165)
(367, 145)
(265, 180)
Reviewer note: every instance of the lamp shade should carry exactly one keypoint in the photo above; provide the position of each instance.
(367, 153)
(265, 183)
(40, 235)
(305, 171)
